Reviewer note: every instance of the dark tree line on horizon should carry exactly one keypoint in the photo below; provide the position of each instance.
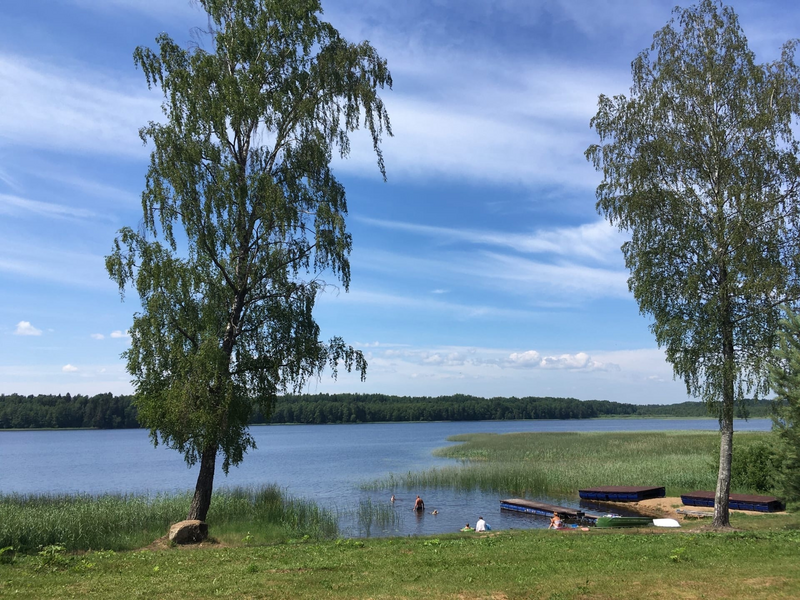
(106, 411)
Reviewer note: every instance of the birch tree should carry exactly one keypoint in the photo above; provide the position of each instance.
(243, 217)
(700, 167)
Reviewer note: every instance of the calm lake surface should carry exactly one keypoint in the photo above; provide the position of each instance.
(324, 463)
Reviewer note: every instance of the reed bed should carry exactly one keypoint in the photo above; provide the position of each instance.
(558, 464)
(374, 514)
(124, 522)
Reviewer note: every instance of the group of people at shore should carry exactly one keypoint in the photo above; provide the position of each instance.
(419, 507)
(481, 525)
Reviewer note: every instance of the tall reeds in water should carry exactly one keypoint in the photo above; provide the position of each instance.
(558, 464)
(372, 514)
(122, 522)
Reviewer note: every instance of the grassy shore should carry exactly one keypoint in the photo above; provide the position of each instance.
(516, 564)
(558, 464)
(125, 522)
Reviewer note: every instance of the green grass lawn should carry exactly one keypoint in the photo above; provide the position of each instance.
(515, 564)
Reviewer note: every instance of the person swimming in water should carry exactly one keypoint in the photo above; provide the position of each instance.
(419, 505)
(467, 528)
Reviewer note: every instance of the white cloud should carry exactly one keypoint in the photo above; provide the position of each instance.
(94, 113)
(41, 260)
(14, 205)
(98, 336)
(25, 328)
(459, 311)
(579, 361)
(69, 369)
(51, 378)
(597, 241)
(530, 358)
(119, 334)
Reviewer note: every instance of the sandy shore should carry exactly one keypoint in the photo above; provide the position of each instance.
(668, 508)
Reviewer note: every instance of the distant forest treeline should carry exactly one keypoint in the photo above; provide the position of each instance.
(106, 411)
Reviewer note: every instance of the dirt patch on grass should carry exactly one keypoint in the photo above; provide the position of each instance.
(163, 543)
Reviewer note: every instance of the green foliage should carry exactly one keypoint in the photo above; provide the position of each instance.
(102, 411)
(242, 216)
(677, 554)
(785, 378)
(107, 412)
(700, 165)
(53, 557)
(756, 467)
(115, 522)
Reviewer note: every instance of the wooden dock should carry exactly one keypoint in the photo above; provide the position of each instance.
(546, 510)
(621, 493)
(735, 501)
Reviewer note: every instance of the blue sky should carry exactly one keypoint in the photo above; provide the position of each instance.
(479, 267)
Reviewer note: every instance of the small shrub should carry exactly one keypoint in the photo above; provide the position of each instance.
(755, 467)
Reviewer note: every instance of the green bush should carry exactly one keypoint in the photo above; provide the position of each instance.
(756, 467)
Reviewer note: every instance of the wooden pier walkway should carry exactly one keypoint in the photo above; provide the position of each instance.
(546, 510)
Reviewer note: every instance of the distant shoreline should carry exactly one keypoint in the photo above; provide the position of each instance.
(600, 418)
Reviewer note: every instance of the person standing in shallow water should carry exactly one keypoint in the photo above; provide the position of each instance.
(419, 505)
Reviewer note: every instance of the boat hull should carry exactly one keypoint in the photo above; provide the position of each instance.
(623, 522)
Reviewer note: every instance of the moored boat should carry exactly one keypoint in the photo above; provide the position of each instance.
(623, 522)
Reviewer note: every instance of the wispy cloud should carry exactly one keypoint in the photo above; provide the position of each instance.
(119, 334)
(425, 303)
(69, 369)
(25, 328)
(97, 336)
(93, 113)
(92, 187)
(14, 205)
(40, 260)
(598, 241)
(467, 356)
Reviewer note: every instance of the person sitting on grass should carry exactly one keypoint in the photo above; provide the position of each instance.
(555, 522)
(480, 525)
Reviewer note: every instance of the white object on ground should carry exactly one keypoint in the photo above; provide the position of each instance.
(666, 523)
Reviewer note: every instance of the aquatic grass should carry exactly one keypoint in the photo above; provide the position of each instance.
(124, 522)
(371, 514)
(557, 464)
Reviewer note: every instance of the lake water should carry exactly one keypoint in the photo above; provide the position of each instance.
(324, 463)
